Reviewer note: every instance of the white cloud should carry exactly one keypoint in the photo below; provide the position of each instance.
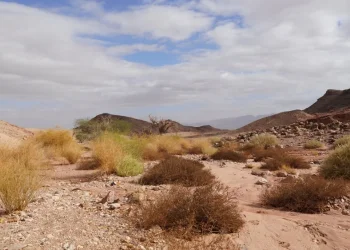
(288, 53)
(159, 21)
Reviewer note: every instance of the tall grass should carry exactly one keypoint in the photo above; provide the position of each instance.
(115, 154)
(19, 178)
(263, 141)
(58, 143)
(342, 141)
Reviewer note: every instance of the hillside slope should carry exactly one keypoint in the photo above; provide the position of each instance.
(284, 118)
(141, 125)
(332, 100)
(11, 134)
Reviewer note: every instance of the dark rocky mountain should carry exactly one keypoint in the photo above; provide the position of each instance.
(138, 125)
(334, 105)
(331, 101)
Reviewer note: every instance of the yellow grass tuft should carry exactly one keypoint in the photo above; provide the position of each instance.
(59, 143)
(19, 178)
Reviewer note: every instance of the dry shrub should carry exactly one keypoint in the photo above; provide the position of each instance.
(203, 210)
(275, 158)
(337, 165)
(19, 178)
(345, 140)
(224, 154)
(59, 143)
(309, 195)
(313, 144)
(174, 170)
(160, 147)
(264, 141)
(288, 169)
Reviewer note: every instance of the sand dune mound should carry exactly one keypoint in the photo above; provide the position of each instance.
(11, 134)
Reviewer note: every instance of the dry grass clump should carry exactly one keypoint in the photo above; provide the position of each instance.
(19, 178)
(160, 147)
(202, 210)
(59, 143)
(264, 141)
(275, 158)
(313, 144)
(342, 141)
(224, 154)
(337, 165)
(116, 155)
(309, 195)
(174, 170)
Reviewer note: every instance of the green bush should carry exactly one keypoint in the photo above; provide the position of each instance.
(129, 166)
(337, 165)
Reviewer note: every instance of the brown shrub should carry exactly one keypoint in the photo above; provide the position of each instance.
(175, 170)
(208, 209)
(274, 159)
(229, 155)
(308, 195)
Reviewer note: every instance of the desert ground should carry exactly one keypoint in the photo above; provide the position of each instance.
(86, 209)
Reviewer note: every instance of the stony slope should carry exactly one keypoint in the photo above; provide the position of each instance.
(281, 119)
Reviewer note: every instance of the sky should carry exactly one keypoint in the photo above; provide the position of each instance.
(190, 61)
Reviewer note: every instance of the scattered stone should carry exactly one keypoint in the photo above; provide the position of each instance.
(258, 172)
(261, 181)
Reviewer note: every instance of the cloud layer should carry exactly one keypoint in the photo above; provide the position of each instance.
(234, 58)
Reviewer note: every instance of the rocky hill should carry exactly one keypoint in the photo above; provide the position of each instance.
(280, 119)
(141, 125)
(331, 101)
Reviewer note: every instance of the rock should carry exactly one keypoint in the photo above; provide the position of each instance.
(282, 174)
(258, 172)
(345, 212)
(261, 181)
(114, 206)
(69, 246)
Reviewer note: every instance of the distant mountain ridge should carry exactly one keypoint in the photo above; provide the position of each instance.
(231, 122)
(138, 125)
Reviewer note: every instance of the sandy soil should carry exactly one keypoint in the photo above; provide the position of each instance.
(68, 214)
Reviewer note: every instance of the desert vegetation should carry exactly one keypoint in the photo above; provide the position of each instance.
(175, 170)
(313, 144)
(337, 165)
(20, 177)
(202, 210)
(226, 154)
(306, 195)
(58, 143)
(263, 141)
(345, 140)
(88, 129)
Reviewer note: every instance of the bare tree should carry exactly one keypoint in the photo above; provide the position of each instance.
(161, 125)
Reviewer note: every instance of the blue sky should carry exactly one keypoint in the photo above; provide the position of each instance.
(190, 61)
